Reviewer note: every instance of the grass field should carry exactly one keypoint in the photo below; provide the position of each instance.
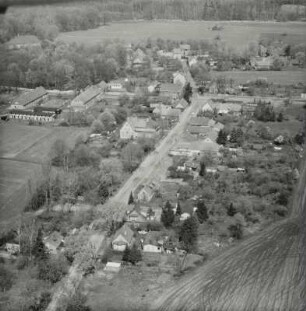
(23, 151)
(277, 77)
(235, 34)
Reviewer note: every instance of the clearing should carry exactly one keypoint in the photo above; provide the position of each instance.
(235, 33)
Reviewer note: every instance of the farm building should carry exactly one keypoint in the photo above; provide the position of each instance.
(117, 85)
(262, 63)
(145, 193)
(136, 127)
(30, 98)
(25, 41)
(36, 115)
(123, 238)
(207, 107)
(112, 266)
(85, 99)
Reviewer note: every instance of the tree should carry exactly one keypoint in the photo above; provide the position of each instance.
(202, 169)
(236, 231)
(39, 249)
(131, 198)
(202, 211)
(188, 234)
(132, 255)
(280, 117)
(299, 138)
(97, 127)
(222, 137)
(178, 209)
(53, 269)
(231, 210)
(187, 93)
(77, 303)
(167, 216)
(131, 156)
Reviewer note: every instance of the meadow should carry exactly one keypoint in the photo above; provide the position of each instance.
(235, 34)
(24, 149)
(288, 77)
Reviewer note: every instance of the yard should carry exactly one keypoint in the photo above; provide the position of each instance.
(235, 34)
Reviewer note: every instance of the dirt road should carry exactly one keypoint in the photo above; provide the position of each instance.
(265, 272)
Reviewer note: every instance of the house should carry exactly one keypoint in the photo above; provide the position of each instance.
(174, 91)
(12, 248)
(136, 127)
(112, 266)
(30, 98)
(86, 99)
(54, 242)
(201, 122)
(142, 213)
(182, 104)
(153, 87)
(152, 242)
(179, 78)
(261, 63)
(185, 49)
(207, 107)
(145, 193)
(23, 42)
(211, 170)
(195, 148)
(123, 238)
(218, 126)
(226, 108)
(184, 216)
(192, 61)
(177, 53)
(161, 110)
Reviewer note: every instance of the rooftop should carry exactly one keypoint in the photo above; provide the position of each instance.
(170, 87)
(31, 96)
(126, 232)
(86, 96)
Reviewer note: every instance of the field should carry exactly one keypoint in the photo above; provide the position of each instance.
(23, 151)
(235, 34)
(277, 77)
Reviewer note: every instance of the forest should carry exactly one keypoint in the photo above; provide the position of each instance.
(47, 21)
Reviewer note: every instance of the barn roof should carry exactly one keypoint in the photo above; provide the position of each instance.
(31, 96)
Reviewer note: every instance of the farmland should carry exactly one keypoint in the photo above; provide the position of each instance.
(235, 34)
(23, 151)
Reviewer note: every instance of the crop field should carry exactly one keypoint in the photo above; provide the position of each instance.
(288, 77)
(23, 151)
(264, 272)
(235, 34)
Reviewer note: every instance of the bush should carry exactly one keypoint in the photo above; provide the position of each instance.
(6, 279)
(77, 303)
(22, 262)
(53, 269)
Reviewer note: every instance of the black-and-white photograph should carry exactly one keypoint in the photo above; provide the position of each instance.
(152, 155)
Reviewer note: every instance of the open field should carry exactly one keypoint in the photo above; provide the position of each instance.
(15, 188)
(278, 77)
(235, 34)
(23, 151)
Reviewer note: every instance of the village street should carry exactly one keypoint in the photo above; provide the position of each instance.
(156, 163)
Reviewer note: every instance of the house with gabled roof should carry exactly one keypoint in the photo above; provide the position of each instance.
(140, 213)
(201, 121)
(172, 114)
(124, 237)
(207, 107)
(145, 193)
(136, 127)
(30, 99)
(179, 78)
(182, 104)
